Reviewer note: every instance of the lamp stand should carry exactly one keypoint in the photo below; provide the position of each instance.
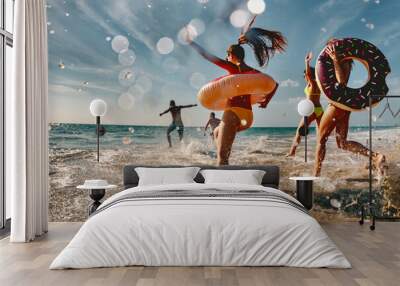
(305, 138)
(369, 209)
(98, 137)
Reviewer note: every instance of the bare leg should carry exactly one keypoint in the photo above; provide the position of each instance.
(318, 121)
(215, 134)
(297, 138)
(326, 125)
(355, 147)
(169, 140)
(170, 129)
(226, 135)
(180, 132)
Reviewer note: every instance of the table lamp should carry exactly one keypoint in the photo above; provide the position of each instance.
(305, 108)
(98, 108)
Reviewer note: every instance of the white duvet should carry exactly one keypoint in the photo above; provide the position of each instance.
(200, 231)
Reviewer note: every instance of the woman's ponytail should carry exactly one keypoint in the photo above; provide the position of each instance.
(264, 43)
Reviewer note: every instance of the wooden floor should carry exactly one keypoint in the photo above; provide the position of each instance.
(375, 257)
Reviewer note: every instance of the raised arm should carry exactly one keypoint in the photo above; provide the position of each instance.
(341, 74)
(263, 103)
(307, 60)
(230, 67)
(187, 106)
(166, 111)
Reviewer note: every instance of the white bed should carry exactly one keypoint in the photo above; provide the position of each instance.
(185, 230)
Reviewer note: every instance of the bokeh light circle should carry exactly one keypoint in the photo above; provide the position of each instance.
(239, 18)
(126, 57)
(126, 101)
(127, 77)
(185, 33)
(171, 65)
(198, 25)
(256, 6)
(144, 82)
(197, 80)
(165, 45)
(119, 44)
(137, 92)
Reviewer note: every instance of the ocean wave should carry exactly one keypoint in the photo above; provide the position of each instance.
(195, 147)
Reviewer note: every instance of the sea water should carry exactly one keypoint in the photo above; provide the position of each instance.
(343, 184)
(83, 136)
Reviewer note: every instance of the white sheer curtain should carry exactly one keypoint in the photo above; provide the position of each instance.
(26, 124)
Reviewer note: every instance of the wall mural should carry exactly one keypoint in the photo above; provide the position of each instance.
(220, 82)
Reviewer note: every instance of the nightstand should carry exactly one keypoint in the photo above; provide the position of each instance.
(97, 190)
(304, 190)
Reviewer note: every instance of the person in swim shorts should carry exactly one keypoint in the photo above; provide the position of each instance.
(176, 119)
(213, 123)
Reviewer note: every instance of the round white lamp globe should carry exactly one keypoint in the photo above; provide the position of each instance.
(305, 107)
(98, 107)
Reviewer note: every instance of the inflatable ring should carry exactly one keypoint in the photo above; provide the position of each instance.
(354, 99)
(215, 95)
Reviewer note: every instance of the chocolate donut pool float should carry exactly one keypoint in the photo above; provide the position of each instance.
(344, 97)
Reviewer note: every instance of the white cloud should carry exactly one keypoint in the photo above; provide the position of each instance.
(386, 34)
(118, 13)
(62, 89)
(94, 16)
(93, 70)
(370, 26)
(121, 13)
(333, 25)
(289, 83)
(337, 13)
(294, 100)
(68, 86)
(326, 6)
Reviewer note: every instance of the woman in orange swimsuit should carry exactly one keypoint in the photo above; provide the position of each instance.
(238, 114)
(312, 93)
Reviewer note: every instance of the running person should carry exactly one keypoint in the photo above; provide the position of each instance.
(213, 122)
(176, 119)
(312, 93)
(238, 114)
(338, 119)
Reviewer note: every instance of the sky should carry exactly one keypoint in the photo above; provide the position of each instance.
(84, 38)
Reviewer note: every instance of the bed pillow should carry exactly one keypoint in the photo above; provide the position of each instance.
(166, 176)
(248, 177)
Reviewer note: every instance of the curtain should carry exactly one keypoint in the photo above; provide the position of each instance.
(26, 124)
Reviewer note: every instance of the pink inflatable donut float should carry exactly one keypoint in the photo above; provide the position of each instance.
(215, 95)
(344, 97)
